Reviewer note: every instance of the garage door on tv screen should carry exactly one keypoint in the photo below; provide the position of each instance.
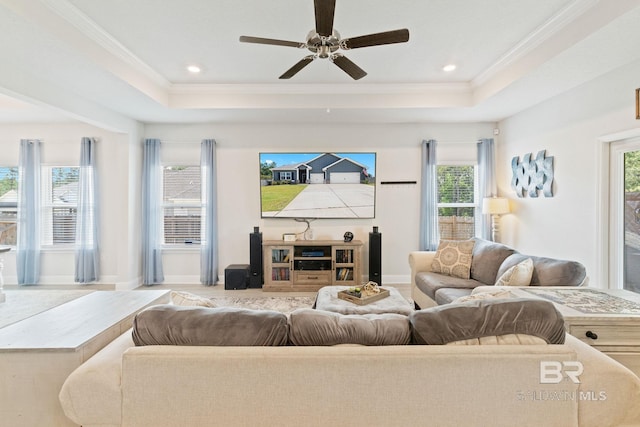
(317, 185)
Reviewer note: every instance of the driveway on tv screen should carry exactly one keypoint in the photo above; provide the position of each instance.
(331, 200)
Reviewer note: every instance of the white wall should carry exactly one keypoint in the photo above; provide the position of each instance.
(571, 128)
(238, 146)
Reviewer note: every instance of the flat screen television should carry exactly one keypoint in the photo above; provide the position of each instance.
(317, 185)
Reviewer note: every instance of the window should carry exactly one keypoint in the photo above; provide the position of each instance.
(8, 206)
(286, 176)
(181, 204)
(457, 205)
(59, 204)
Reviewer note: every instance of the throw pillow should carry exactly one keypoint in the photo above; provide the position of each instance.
(517, 275)
(317, 327)
(483, 295)
(189, 299)
(487, 318)
(453, 258)
(168, 324)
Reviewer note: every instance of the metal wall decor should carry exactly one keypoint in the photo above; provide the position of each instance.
(532, 175)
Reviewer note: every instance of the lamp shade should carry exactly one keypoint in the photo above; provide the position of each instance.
(495, 205)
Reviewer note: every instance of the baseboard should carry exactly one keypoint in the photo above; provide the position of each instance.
(399, 279)
(187, 280)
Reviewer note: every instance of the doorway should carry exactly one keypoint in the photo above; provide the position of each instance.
(624, 211)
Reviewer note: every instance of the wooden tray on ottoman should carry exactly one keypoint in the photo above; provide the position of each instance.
(363, 300)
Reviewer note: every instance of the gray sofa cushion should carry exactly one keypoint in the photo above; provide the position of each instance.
(487, 258)
(549, 271)
(429, 282)
(483, 318)
(224, 326)
(317, 327)
(447, 295)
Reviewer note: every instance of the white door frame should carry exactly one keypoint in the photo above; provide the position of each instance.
(610, 223)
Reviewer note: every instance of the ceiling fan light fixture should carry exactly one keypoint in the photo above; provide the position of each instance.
(324, 42)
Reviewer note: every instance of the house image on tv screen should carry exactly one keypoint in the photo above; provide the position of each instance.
(327, 168)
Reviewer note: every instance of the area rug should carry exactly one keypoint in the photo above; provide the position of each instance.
(282, 304)
(21, 304)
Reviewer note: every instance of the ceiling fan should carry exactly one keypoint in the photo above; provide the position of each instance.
(324, 41)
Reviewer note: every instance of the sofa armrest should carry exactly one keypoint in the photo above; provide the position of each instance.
(605, 379)
(420, 261)
(91, 395)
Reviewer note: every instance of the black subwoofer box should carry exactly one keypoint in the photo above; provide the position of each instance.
(375, 256)
(236, 276)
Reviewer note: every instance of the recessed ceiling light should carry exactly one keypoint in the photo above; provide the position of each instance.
(448, 68)
(194, 69)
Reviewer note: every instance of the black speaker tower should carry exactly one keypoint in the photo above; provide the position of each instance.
(375, 256)
(256, 278)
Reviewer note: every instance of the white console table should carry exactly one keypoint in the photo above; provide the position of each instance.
(606, 319)
(38, 353)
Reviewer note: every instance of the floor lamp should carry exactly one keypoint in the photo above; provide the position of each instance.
(495, 206)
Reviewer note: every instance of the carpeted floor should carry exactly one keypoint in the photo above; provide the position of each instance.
(283, 304)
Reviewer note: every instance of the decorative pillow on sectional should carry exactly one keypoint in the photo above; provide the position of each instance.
(317, 327)
(223, 326)
(517, 275)
(453, 258)
(486, 318)
(189, 299)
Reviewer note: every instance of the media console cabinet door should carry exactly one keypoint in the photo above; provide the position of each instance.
(277, 262)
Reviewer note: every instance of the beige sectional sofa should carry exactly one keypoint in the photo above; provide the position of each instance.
(488, 262)
(346, 385)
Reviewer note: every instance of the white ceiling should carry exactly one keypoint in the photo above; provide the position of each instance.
(93, 60)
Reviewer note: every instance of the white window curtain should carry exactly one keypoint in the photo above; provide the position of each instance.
(209, 232)
(429, 200)
(487, 186)
(28, 242)
(87, 255)
(152, 214)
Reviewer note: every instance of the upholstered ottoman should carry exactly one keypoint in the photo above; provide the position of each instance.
(327, 300)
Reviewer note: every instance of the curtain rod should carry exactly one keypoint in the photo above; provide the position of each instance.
(175, 141)
(444, 141)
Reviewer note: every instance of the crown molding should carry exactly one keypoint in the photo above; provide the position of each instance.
(97, 34)
(552, 26)
(320, 89)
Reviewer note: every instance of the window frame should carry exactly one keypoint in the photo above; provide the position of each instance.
(194, 244)
(11, 206)
(48, 207)
(477, 215)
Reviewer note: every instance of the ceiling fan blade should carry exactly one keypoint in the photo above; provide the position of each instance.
(325, 10)
(348, 66)
(387, 37)
(261, 40)
(297, 67)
